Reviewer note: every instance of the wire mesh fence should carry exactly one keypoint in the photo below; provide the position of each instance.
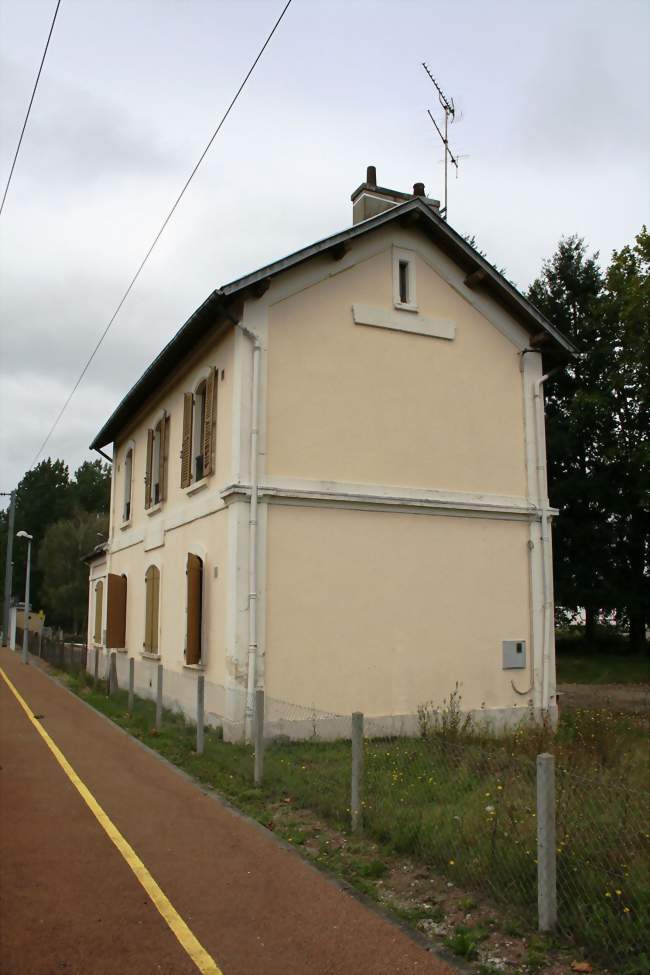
(603, 864)
(465, 804)
(69, 657)
(465, 809)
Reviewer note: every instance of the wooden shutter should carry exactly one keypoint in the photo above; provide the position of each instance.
(99, 605)
(148, 470)
(152, 603)
(147, 609)
(116, 612)
(209, 423)
(194, 608)
(186, 450)
(164, 456)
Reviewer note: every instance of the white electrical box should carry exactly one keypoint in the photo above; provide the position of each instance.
(514, 654)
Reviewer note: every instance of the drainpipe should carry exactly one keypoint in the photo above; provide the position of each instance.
(547, 568)
(252, 538)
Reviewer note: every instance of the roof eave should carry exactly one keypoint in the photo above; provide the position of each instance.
(218, 302)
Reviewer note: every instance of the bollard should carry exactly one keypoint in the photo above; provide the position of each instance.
(259, 737)
(356, 791)
(131, 682)
(200, 714)
(546, 850)
(112, 674)
(159, 699)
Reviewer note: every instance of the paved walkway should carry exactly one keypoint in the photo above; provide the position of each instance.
(69, 903)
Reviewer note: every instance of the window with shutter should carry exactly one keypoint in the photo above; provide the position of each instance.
(194, 573)
(164, 457)
(116, 612)
(198, 427)
(209, 422)
(99, 605)
(128, 478)
(148, 471)
(186, 450)
(152, 604)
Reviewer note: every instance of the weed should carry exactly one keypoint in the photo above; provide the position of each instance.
(375, 869)
(537, 953)
(467, 903)
(464, 941)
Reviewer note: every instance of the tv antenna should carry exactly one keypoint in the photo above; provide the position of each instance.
(449, 109)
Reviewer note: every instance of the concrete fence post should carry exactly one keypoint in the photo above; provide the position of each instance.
(131, 683)
(200, 714)
(259, 736)
(112, 674)
(546, 844)
(356, 790)
(159, 696)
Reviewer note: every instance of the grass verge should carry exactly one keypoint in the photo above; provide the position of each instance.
(464, 807)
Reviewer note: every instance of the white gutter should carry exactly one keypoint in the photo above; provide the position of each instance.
(547, 566)
(252, 538)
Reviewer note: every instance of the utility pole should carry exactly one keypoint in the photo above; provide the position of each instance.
(449, 109)
(9, 565)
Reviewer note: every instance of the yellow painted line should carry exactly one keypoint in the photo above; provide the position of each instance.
(203, 961)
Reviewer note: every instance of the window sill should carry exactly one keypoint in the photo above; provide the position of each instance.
(149, 656)
(154, 509)
(199, 668)
(125, 524)
(196, 487)
(405, 307)
(120, 649)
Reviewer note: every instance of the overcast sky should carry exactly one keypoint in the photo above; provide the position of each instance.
(555, 127)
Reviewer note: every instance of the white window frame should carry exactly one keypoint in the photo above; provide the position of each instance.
(404, 257)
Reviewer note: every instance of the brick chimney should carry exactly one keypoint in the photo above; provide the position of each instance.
(369, 199)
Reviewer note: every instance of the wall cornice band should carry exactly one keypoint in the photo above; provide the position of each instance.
(386, 498)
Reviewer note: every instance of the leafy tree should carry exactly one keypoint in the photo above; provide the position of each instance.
(65, 576)
(569, 292)
(91, 488)
(42, 497)
(46, 495)
(627, 450)
(597, 428)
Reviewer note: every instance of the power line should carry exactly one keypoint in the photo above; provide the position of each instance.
(29, 107)
(159, 234)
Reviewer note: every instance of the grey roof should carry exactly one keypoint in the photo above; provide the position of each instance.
(218, 306)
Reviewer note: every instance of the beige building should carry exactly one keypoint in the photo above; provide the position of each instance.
(331, 484)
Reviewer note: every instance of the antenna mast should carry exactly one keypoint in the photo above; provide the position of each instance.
(450, 113)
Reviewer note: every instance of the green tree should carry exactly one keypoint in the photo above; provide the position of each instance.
(597, 430)
(91, 487)
(42, 497)
(64, 574)
(627, 450)
(569, 292)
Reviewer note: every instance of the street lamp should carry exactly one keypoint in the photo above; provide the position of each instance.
(26, 613)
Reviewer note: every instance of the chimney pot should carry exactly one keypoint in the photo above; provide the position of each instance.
(371, 176)
(418, 189)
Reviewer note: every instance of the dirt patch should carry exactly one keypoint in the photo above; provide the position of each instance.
(455, 922)
(629, 698)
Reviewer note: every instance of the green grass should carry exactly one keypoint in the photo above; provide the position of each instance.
(464, 807)
(602, 668)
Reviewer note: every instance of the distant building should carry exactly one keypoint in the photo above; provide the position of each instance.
(331, 483)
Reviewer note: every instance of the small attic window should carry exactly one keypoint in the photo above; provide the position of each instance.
(404, 280)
